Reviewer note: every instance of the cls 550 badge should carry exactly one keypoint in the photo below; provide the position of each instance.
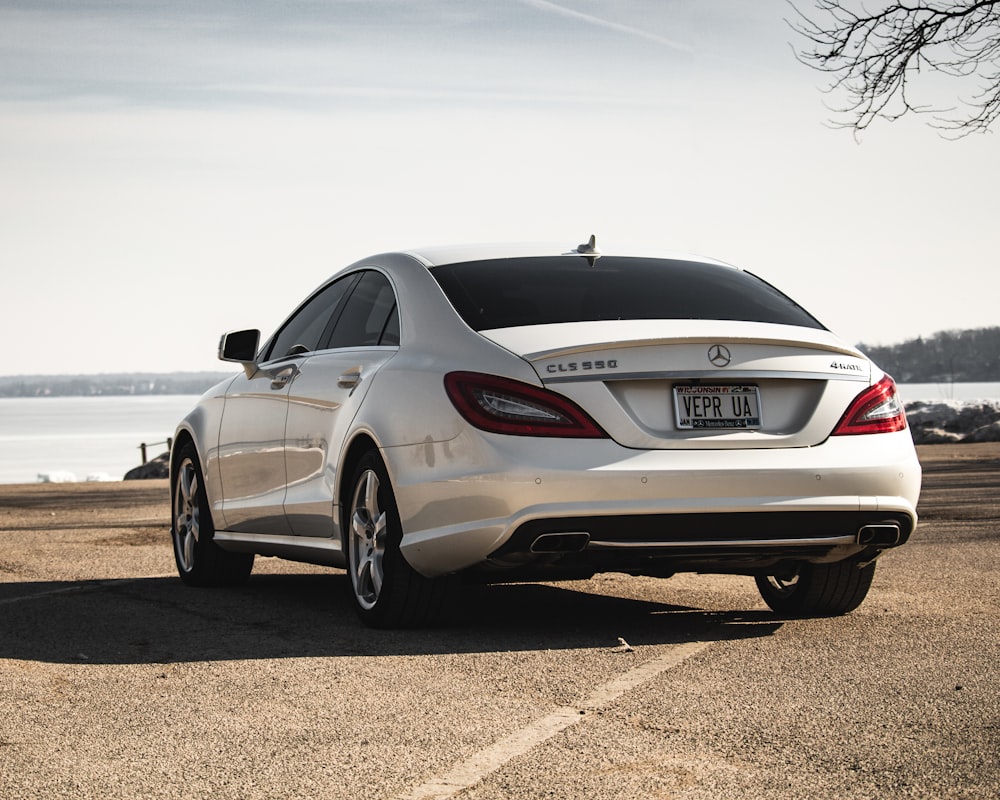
(581, 366)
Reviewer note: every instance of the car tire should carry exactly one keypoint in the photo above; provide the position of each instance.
(200, 561)
(387, 592)
(818, 590)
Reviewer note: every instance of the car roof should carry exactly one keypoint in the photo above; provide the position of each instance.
(436, 256)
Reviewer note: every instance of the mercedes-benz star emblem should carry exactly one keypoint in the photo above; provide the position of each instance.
(719, 355)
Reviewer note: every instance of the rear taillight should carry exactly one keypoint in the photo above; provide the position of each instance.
(876, 410)
(501, 405)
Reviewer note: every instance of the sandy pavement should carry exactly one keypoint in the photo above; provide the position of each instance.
(118, 681)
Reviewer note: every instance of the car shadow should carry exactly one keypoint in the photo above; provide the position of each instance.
(160, 620)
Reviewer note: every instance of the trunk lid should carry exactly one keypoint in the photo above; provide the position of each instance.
(686, 384)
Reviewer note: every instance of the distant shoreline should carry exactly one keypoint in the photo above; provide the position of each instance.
(110, 385)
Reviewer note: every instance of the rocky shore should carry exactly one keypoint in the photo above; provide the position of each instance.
(155, 468)
(954, 421)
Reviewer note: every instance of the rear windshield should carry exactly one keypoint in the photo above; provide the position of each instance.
(505, 293)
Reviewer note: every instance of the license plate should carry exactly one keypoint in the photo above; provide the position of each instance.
(717, 406)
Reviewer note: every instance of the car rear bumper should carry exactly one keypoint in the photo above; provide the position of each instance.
(505, 502)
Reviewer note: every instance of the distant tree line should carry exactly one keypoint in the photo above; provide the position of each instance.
(111, 385)
(969, 356)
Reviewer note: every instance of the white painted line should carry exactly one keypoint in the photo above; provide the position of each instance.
(39, 595)
(79, 586)
(479, 765)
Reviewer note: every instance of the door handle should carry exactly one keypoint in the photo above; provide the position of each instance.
(281, 378)
(350, 379)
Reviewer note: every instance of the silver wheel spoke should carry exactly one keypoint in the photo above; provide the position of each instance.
(361, 532)
(361, 574)
(376, 568)
(782, 585)
(185, 483)
(189, 543)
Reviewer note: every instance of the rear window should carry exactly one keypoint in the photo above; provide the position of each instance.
(505, 293)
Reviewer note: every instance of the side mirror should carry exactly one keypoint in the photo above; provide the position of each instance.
(241, 347)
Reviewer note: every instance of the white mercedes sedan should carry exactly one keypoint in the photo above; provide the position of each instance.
(509, 413)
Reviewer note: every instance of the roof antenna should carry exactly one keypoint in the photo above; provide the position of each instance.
(590, 250)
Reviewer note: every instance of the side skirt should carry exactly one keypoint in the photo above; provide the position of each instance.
(309, 549)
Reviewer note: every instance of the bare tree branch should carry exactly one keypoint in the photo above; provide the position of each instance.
(875, 58)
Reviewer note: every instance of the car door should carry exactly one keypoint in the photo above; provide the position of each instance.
(325, 397)
(252, 433)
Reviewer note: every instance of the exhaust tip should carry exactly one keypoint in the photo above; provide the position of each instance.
(881, 535)
(573, 542)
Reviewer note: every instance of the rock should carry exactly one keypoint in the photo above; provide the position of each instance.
(934, 436)
(987, 433)
(954, 421)
(158, 467)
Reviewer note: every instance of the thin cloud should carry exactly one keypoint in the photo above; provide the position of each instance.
(555, 8)
(460, 97)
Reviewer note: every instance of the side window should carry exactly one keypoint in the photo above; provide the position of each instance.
(304, 331)
(369, 317)
(390, 336)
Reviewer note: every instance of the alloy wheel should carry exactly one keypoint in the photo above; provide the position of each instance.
(367, 540)
(187, 513)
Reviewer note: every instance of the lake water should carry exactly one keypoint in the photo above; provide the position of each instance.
(98, 438)
(84, 438)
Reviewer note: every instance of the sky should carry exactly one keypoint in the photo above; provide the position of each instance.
(174, 169)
